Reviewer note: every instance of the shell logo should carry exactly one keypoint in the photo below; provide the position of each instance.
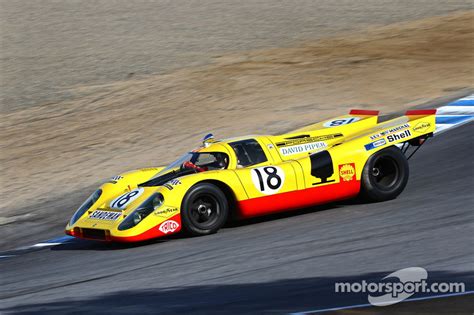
(347, 172)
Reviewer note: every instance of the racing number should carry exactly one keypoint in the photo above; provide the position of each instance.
(340, 122)
(268, 179)
(271, 174)
(122, 201)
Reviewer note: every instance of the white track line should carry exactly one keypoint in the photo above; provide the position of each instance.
(46, 244)
(455, 114)
(455, 110)
(53, 242)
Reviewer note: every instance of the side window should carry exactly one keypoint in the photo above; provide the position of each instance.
(213, 161)
(248, 152)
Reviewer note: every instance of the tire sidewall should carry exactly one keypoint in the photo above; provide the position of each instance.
(370, 190)
(192, 194)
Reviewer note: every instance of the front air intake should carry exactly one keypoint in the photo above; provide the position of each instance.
(94, 234)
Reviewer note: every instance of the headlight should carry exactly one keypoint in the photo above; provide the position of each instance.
(85, 206)
(147, 207)
(137, 217)
(157, 200)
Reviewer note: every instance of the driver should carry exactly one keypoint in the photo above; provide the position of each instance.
(191, 165)
(221, 161)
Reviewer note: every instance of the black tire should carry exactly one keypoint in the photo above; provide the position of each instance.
(204, 210)
(385, 175)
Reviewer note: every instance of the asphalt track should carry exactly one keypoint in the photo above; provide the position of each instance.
(279, 264)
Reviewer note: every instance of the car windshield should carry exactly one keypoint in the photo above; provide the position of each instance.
(192, 162)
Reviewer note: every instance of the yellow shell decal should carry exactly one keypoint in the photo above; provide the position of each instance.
(347, 171)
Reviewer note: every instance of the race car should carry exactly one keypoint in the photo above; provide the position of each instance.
(345, 157)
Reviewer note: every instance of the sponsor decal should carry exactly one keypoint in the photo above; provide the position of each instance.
(268, 179)
(347, 171)
(171, 183)
(105, 215)
(114, 179)
(121, 202)
(375, 144)
(166, 213)
(307, 139)
(169, 226)
(389, 131)
(301, 148)
(340, 122)
(399, 136)
(168, 186)
(174, 182)
(422, 127)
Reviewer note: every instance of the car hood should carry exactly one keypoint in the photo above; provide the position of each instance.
(166, 177)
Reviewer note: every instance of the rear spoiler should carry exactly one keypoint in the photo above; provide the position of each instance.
(422, 121)
(420, 112)
(412, 129)
(364, 112)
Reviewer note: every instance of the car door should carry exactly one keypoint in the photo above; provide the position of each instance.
(263, 180)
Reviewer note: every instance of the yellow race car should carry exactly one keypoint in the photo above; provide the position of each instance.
(251, 176)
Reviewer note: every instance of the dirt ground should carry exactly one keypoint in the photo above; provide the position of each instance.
(49, 46)
(53, 150)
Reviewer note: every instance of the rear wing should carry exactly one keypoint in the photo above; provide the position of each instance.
(359, 127)
(412, 129)
(423, 121)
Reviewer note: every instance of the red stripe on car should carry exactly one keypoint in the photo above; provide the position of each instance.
(364, 112)
(298, 199)
(420, 112)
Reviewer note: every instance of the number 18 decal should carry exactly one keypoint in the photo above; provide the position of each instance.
(122, 201)
(268, 179)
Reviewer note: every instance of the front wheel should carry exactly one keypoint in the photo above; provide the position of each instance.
(385, 175)
(204, 209)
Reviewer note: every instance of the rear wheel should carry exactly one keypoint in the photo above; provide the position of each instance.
(385, 175)
(204, 209)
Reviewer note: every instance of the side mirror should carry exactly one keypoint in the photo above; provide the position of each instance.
(208, 139)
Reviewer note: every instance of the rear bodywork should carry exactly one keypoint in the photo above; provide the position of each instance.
(313, 165)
